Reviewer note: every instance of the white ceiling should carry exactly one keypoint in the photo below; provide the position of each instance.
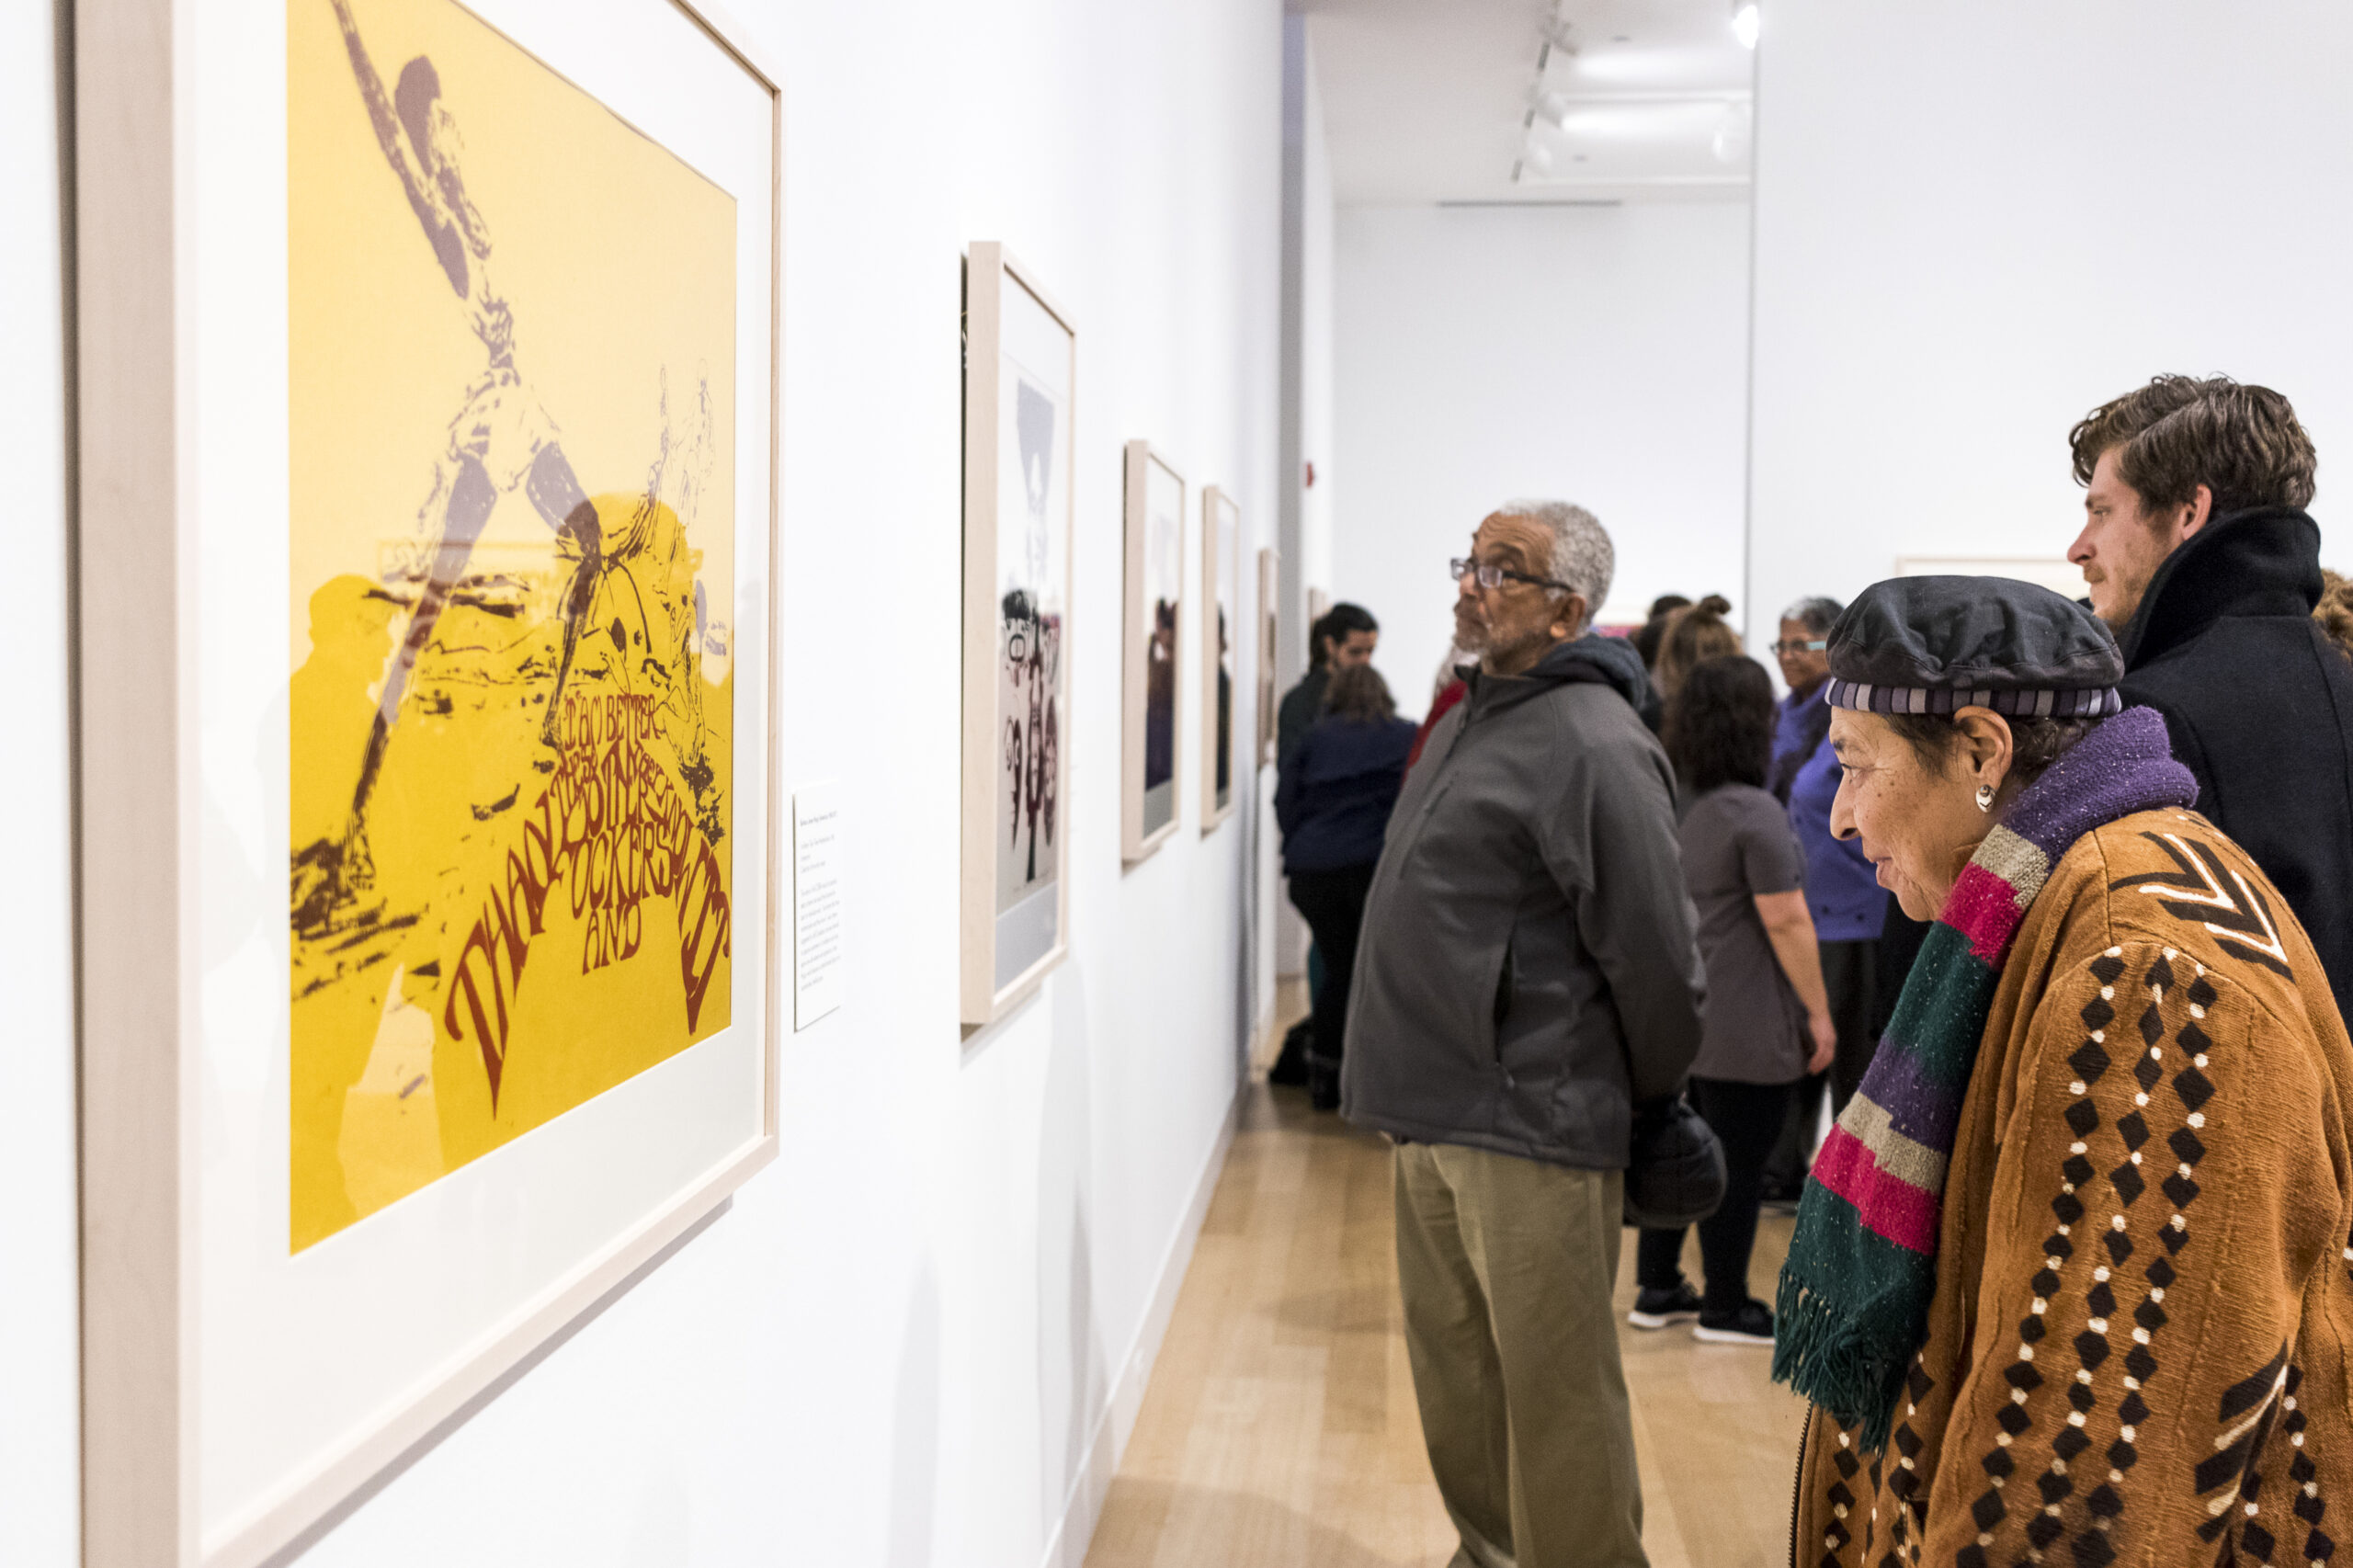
(1431, 100)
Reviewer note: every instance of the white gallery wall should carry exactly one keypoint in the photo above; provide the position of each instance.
(39, 1375)
(1316, 327)
(1304, 522)
(1597, 355)
(1975, 223)
(920, 1336)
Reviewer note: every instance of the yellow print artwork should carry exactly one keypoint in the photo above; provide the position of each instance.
(511, 372)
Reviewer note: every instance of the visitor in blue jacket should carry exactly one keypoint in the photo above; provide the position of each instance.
(1333, 806)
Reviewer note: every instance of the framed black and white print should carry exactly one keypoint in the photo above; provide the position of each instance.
(1020, 363)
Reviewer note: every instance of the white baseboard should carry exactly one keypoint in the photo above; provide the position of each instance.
(1083, 1507)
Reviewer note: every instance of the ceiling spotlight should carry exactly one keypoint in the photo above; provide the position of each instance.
(1745, 23)
(1537, 159)
(1551, 107)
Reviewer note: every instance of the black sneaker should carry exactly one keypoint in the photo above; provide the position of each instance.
(1291, 1062)
(1661, 1309)
(1322, 1083)
(1752, 1323)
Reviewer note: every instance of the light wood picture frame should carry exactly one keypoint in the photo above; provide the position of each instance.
(266, 1336)
(1269, 632)
(1221, 652)
(1020, 397)
(1152, 766)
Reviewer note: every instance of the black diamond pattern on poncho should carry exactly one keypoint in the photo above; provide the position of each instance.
(2089, 1060)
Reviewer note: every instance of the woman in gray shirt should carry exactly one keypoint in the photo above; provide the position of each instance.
(1767, 1019)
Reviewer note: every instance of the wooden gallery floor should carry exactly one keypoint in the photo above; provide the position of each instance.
(1279, 1426)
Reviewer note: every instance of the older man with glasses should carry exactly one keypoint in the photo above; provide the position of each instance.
(1526, 986)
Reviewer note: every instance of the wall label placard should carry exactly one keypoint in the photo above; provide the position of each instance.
(816, 904)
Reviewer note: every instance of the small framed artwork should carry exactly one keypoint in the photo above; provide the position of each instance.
(1270, 593)
(1156, 610)
(1221, 649)
(428, 701)
(1020, 365)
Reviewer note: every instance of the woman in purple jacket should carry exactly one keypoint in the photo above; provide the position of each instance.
(1333, 806)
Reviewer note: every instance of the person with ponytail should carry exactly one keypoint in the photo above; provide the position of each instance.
(1694, 633)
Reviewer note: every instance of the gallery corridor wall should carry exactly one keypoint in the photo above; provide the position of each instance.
(39, 1389)
(917, 1337)
(1308, 217)
(1596, 355)
(1974, 224)
(1305, 482)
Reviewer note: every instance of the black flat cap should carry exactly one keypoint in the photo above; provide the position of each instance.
(1934, 645)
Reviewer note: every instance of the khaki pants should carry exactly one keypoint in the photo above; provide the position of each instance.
(1507, 1266)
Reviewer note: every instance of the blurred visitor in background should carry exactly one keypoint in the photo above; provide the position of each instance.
(2335, 611)
(1343, 637)
(1333, 805)
(1767, 1019)
(1803, 720)
(1693, 634)
(1848, 904)
(1347, 635)
(1645, 639)
(1651, 706)
(1850, 909)
(1447, 690)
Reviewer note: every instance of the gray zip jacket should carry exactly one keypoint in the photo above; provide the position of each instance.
(1527, 972)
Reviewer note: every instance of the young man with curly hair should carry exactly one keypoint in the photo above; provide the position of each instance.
(2200, 557)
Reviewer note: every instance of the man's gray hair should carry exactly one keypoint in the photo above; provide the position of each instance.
(1815, 613)
(1582, 556)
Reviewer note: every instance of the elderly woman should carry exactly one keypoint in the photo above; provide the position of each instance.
(2070, 1282)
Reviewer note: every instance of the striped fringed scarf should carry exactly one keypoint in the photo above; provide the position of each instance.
(1853, 1309)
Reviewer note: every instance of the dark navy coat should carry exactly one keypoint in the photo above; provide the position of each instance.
(1336, 791)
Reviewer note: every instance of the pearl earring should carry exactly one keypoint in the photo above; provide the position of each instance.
(1985, 797)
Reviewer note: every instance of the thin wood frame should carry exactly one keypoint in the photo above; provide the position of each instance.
(1136, 842)
(989, 268)
(136, 796)
(1270, 595)
(1217, 727)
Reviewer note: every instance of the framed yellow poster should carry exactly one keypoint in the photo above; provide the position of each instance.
(456, 602)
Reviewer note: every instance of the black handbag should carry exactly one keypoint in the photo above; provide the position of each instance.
(1677, 1176)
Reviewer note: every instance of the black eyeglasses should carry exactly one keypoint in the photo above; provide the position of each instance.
(1493, 576)
(1804, 645)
